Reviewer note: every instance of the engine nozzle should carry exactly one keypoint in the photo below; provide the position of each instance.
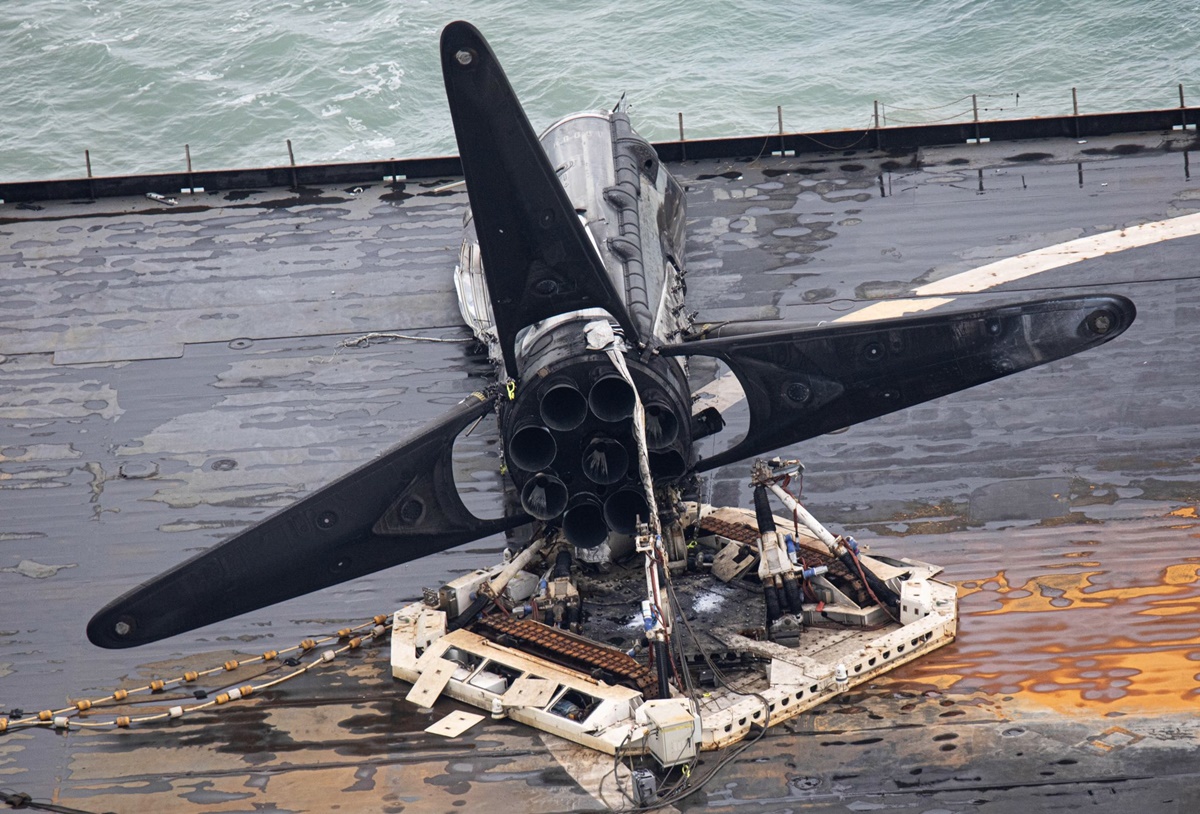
(532, 448)
(605, 461)
(624, 508)
(611, 398)
(563, 407)
(662, 427)
(544, 496)
(668, 463)
(583, 523)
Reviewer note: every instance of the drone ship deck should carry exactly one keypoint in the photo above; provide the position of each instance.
(587, 689)
(173, 373)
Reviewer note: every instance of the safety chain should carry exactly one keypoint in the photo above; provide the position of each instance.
(68, 717)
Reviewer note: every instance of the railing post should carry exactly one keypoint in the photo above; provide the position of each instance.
(878, 135)
(682, 144)
(779, 113)
(975, 115)
(292, 159)
(1075, 108)
(87, 157)
(187, 153)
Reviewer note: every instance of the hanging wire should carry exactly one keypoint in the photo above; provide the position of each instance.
(367, 339)
(1039, 102)
(932, 107)
(951, 118)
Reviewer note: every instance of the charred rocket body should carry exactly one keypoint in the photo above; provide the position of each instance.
(572, 272)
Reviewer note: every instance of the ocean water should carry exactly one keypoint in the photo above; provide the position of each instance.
(133, 81)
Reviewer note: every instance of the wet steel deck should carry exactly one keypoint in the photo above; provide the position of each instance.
(138, 425)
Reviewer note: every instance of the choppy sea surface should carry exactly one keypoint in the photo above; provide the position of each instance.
(133, 81)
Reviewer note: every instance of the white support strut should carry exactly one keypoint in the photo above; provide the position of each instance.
(811, 523)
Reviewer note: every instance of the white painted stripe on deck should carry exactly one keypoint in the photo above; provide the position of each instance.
(1028, 264)
(725, 390)
(1063, 254)
(889, 309)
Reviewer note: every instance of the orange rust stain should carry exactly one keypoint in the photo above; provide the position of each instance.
(1059, 591)
(1187, 511)
(1000, 581)
(1171, 611)
(1117, 633)
(1085, 564)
